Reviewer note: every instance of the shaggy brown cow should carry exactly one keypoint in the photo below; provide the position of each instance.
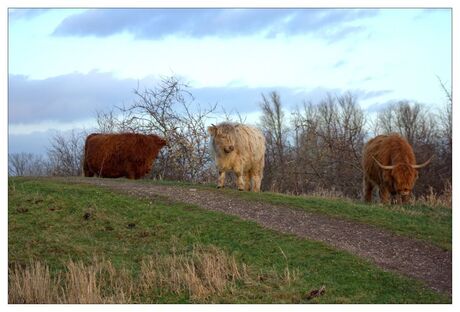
(128, 155)
(241, 149)
(389, 163)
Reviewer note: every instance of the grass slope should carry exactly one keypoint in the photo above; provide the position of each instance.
(47, 223)
(432, 224)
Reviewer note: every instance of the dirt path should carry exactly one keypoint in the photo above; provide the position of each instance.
(410, 257)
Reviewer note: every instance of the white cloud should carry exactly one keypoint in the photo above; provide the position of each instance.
(395, 55)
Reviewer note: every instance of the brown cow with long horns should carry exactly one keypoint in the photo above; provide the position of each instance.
(389, 163)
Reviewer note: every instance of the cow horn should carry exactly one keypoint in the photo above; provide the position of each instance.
(383, 166)
(424, 164)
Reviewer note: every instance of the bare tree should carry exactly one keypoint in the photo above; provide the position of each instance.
(17, 163)
(27, 164)
(444, 147)
(328, 144)
(106, 121)
(170, 111)
(66, 153)
(276, 133)
(411, 120)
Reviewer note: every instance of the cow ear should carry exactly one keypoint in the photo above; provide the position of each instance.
(212, 130)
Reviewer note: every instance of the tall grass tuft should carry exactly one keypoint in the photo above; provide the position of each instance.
(433, 199)
(32, 284)
(98, 282)
(207, 271)
(199, 274)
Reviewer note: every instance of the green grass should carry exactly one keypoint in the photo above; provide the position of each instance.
(46, 223)
(431, 224)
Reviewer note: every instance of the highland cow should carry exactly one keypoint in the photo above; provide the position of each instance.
(128, 155)
(389, 164)
(241, 149)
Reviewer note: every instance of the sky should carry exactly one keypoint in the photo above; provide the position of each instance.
(65, 64)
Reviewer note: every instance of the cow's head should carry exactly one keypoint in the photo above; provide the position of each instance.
(222, 138)
(402, 177)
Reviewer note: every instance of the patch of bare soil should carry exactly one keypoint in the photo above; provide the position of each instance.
(411, 257)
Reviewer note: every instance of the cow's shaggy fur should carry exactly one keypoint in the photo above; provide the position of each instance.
(241, 149)
(128, 155)
(388, 163)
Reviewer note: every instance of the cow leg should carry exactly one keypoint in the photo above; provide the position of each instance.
(221, 180)
(130, 171)
(256, 180)
(247, 182)
(256, 183)
(368, 187)
(384, 195)
(87, 172)
(239, 180)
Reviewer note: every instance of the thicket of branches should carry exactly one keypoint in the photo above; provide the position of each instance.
(170, 111)
(64, 157)
(27, 164)
(320, 148)
(316, 147)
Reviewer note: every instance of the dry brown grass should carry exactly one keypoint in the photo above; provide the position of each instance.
(200, 274)
(32, 284)
(98, 282)
(327, 193)
(321, 192)
(433, 199)
(207, 271)
(289, 275)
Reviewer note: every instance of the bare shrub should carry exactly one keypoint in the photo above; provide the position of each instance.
(170, 111)
(436, 199)
(66, 153)
(27, 164)
(329, 137)
(274, 127)
(323, 192)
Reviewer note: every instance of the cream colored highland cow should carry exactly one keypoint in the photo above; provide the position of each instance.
(241, 149)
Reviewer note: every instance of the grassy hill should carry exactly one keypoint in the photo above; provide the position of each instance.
(80, 243)
(429, 223)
